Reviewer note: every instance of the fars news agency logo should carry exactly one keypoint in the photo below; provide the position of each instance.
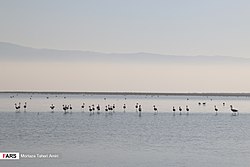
(9, 155)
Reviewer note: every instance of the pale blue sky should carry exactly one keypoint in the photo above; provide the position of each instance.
(176, 27)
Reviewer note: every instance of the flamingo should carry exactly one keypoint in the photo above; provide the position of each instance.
(136, 107)
(187, 109)
(90, 110)
(25, 106)
(113, 107)
(180, 109)
(124, 107)
(98, 109)
(70, 108)
(93, 108)
(64, 108)
(110, 109)
(52, 108)
(83, 104)
(18, 107)
(140, 110)
(216, 110)
(106, 109)
(155, 110)
(235, 111)
(173, 111)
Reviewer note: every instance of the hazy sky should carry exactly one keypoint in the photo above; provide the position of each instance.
(169, 27)
(177, 27)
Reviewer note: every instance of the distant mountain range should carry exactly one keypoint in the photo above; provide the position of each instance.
(13, 52)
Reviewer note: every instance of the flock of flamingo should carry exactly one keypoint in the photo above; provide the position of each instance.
(110, 109)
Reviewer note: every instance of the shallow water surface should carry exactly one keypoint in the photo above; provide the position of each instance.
(123, 138)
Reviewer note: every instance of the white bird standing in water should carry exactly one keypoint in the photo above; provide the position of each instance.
(216, 110)
(136, 107)
(113, 107)
(124, 107)
(235, 111)
(180, 109)
(70, 108)
(25, 106)
(83, 105)
(173, 111)
(52, 108)
(65, 108)
(90, 110)
(98, 109)
(155, 110)
(93, 108)
(140, 110)
(187, 110)
(106, 110)
(18, 107)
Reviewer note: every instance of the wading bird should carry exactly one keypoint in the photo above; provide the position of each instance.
(140, 110)
(136, 107)
(106, 110)
(18, 107)
(93, 108)
(25, 106)
(187, 110)
(173, 111)
(180, 109)
(83, 105)
(113, 107)
(235, 111)
(65, 108)
(52, 108)
(98, 109)
(124, 107)
(90, 110)
(155, 110)
(70, 108)
(216, 110)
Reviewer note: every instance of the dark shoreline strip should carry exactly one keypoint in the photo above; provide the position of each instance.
(129, 93)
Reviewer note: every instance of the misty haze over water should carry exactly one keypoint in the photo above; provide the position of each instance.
(59, 70)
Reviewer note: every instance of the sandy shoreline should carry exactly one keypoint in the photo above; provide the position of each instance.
(129, 93)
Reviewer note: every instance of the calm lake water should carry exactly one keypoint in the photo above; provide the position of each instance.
(125, 139)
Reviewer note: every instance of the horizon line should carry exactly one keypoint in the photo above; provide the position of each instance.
(247, 94)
